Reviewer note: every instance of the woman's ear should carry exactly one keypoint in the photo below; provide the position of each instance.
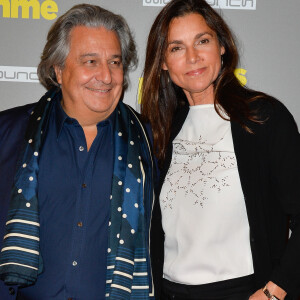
(222, 50)
(164, 66)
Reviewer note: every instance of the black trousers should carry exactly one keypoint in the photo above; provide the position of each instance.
(242, 296)
(233, 289)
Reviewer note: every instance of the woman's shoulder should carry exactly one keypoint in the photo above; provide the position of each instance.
(273, 113)
(269, 107)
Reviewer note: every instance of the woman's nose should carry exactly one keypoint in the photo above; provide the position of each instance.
(192, 55)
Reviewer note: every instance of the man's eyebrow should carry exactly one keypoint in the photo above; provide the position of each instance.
(96, 55)
(199, 35)
(88, 54)
(116, 56)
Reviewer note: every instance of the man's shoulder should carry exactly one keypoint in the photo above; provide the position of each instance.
(145, 124)
(14, 120)
(18, 111)
(15, 115)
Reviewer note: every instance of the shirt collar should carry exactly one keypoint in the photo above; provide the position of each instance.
(62, 117)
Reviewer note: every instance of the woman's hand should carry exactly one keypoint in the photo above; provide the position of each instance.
(259, 295)
(273, 289)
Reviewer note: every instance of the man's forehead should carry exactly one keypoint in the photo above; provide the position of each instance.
(88, 40)
(85, 32)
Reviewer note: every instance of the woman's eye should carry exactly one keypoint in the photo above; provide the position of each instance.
(204, 41)
(174, 49)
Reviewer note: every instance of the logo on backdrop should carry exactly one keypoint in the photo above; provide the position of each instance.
(29, 74)
(224, 4)
(240, 74)
(18, 74)
(21, 9)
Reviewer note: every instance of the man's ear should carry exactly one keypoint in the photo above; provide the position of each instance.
(58, 74)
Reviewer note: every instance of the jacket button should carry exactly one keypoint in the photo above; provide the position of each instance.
(11, 291)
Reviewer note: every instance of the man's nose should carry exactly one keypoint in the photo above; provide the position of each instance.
(103, 73)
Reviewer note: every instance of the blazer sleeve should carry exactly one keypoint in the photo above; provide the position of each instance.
(284, 159)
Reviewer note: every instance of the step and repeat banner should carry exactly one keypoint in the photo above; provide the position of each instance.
(267, 32)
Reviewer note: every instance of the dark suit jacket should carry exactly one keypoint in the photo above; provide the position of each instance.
(269, 167)
(13, 124)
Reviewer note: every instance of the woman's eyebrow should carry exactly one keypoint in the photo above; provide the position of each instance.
(197, 36)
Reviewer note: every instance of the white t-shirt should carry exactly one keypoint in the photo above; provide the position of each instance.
(203, 209)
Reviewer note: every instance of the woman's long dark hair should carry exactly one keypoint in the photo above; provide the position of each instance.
(161, 97)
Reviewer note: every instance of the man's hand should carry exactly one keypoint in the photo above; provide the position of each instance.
(273, 289)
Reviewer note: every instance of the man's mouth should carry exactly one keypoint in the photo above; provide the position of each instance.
(100, 90)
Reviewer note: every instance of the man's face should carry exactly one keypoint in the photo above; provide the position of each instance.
(92, 78)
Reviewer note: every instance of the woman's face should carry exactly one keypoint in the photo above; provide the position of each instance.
(193, 57)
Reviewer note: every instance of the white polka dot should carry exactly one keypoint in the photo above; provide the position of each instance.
(120, 182)
(19, 191)
(24, 165)
(119, 112)
(139, 136)
(128, 190)
(121, 242)
(110, 197)
(132, 231)
(139, 180)
(124, 216)
(32, 113)
(120, 134)
(118, 235)
(130, 166)
(139, 158)
(28, 204)
(30, 141)
(119, 208)
(38, 119)
(132, 122)
(41, 132)
(36, 154)
(49, 99)
(108, 250)
(109, 223)
(136, 205)
(31, 178)
(131, 142)
(120, 158)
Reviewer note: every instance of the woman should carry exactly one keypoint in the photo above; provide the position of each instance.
(229, 167)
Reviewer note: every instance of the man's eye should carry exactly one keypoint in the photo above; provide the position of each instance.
(115, 62)
(90, 61)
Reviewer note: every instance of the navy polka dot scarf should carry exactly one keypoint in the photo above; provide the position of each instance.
(128, 263)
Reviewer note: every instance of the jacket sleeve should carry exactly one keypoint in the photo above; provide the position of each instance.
(284, 159)
(12, 128)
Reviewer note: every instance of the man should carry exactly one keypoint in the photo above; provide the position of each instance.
(76, 169)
